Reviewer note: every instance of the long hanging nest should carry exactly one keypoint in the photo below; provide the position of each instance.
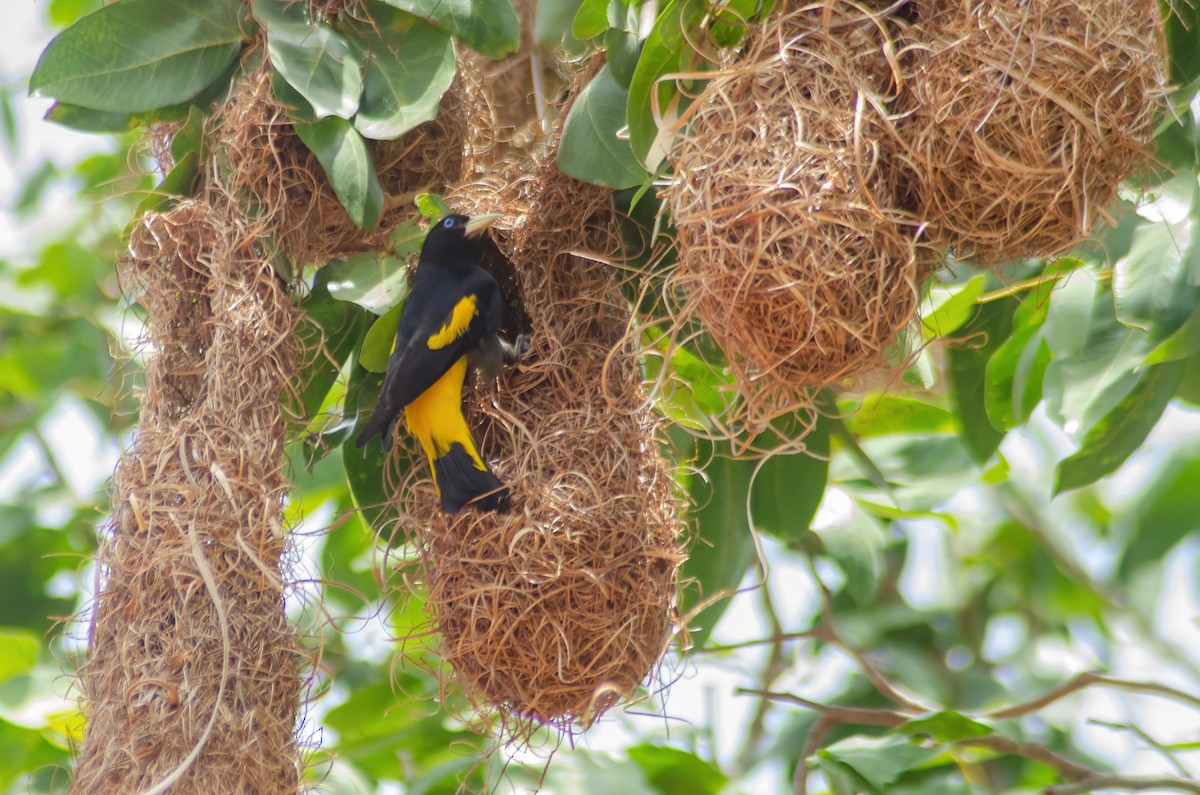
(797, 252)
(1025, 117)
(556, 611)
(192, 673)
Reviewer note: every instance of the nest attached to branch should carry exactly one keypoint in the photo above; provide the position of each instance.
(797, 253)
(1025, 117)
(553, 613)
(281, 184)
(192, 674)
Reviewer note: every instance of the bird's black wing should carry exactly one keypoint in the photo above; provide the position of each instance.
(446, 316)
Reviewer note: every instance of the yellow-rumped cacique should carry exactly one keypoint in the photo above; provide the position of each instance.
(449, 323)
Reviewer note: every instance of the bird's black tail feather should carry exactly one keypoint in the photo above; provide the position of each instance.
(460, 482)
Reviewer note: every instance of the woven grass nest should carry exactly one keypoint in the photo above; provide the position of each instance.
(553, 613)
(280, 183)
(796, 252)
(1025, 117)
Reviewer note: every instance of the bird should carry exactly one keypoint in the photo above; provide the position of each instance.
(450, 323)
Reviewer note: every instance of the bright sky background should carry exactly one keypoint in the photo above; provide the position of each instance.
(703, 692)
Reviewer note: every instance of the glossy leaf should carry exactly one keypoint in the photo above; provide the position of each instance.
(84, 119)
(1183, 344)
(176, 184)
(787, 488)
(951, 308)
(373, 280)
(882, 415)
(348, 165)
(364, 466)
(1016, 371)
(407, 66)
(591, 19)
(137, 55)
(314, 59)
(1117, 435)
(966, 364)
(878, 761)
(857, 546)
(377, 344)
(671, 771)
(591, 148)
(945, 727)
(724, 544)
(489, 27)
(1165, 513)
(665, 51)
(335, 332)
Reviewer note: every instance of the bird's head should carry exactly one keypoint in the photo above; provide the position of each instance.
(456, 239)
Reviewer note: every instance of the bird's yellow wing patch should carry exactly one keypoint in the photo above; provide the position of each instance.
(460, 320)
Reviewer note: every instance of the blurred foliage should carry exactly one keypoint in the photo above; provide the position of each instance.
(964, 541)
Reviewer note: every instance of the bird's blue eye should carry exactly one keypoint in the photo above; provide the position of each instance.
(448, 223)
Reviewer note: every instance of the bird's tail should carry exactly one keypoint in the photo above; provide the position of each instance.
(460, 481)
(459, 472)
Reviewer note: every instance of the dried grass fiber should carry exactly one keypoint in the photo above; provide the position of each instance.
(192, 672)
(796, 251)
(555, 612)
(1025, 117)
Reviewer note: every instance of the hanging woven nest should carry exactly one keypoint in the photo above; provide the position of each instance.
(1024, 118)
(797, 252)
(558, 610)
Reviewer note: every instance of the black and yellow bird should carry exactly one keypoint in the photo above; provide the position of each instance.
(450, 322)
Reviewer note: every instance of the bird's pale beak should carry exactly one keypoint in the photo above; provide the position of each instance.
(476, 225)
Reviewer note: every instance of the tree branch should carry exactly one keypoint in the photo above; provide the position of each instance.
(1097, 781)
(1088, 679)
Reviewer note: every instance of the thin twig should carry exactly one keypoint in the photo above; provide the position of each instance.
(1088, 679)
(1097, 781)
(776, 664)
(816, 735)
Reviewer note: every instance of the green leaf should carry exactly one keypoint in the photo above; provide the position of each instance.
(857, 546)
(724, 543)
(671, 771)
(408, 65)
(364, 466)
(786, 489)
(666, 50)
(334, 333)
(732, 18)
(1117, 435)
(1183, 344)
(883, 415)
(190, 137)
(966, 366)
(377, 345)
(879, 761)
(552, 24)
(951, 308)
(591, 19)
(343, 154)
(1164, 514)
(433, 206)
(1017, 370)
(489, 27)
(18, 651)
(373, 280)
(175, 185)
(1152, 284)
(1181, 24)
(622, 48)
(591, 148)
(313, 58)
(137, 55)
(945, 727)
(87, 120)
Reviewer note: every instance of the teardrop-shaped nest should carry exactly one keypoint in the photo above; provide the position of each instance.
(1024, 118)
(797, 251)
(555, 612)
